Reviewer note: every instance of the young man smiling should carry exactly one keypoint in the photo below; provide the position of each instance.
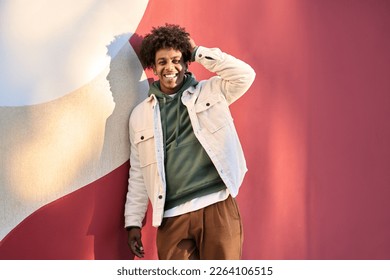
(185, 155)
(170, 68)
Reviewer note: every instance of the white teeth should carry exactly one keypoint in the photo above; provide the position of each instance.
(170, 76)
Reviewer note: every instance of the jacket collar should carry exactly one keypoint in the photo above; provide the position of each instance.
(150, 98)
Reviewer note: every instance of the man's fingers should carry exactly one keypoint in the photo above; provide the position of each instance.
(192, 43)
(137, 250)
(135, 243)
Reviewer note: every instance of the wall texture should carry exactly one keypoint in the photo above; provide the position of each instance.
(314, 127)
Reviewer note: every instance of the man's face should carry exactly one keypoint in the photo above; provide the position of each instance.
(170, 68)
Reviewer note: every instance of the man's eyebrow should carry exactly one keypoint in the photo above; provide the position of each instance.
(174, 57)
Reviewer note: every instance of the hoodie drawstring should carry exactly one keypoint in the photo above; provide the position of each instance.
(178, 119)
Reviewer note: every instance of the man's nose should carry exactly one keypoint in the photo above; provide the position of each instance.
(170, 66)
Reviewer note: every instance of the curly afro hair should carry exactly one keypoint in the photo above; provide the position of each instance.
(162, 37)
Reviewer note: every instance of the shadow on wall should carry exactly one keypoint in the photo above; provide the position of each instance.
(51, 150)
(128, 87)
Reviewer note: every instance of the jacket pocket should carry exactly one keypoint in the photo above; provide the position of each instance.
(144, 140)
(213, 113)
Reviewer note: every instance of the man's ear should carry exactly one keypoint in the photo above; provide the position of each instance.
(154, 69)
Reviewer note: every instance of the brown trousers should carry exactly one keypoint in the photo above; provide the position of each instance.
(211, 233)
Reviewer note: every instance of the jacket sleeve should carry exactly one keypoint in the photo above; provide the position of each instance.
(136, 198)
(234, 76)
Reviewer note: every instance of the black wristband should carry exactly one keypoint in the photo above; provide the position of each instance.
(193, 53)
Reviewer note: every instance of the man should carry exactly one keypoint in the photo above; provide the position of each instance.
(186, 157)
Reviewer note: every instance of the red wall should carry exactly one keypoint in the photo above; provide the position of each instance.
(314, 127)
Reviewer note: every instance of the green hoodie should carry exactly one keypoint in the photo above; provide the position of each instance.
(188, 169)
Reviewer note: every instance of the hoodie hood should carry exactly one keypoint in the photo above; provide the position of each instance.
(172, 109)
(189, 80)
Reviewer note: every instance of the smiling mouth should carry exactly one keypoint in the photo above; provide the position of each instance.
(170, 76)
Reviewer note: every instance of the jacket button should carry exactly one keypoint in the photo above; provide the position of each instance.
(207, 104)
(142, 138)
(160, 196)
